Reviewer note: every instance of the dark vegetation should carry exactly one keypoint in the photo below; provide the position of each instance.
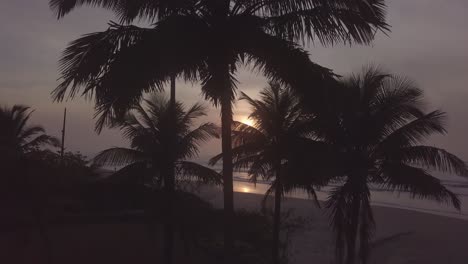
(311, 128)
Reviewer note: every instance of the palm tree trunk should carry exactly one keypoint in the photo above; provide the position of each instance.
(169, 189)
(173, 88)
(169, 225)
(277, 219)
(226, 123)
(353, 230)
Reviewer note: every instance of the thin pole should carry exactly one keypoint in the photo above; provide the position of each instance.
(63, 133)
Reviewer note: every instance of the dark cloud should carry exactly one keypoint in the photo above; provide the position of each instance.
(428, 43)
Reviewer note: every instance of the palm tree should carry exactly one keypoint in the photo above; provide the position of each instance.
(19, 141)
(17, 138)
(154, 156)
(263, 148)
(376, 128)
(207, 40)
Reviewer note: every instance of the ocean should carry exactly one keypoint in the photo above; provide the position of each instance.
(380, 197)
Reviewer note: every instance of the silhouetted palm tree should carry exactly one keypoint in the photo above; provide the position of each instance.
(376, 129)
(207, 40)
(19, 141)
(17, 137)
(155, 158)
(263, 148)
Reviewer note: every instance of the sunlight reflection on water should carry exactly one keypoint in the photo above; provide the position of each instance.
(379, 198)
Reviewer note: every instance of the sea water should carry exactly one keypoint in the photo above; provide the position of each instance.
(379, 196)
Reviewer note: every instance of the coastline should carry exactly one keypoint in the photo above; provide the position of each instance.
(379, 198)
(401, 235)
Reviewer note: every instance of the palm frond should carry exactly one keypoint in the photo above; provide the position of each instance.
(290, 184)
(63, 7)
(126, 10)
(27, 132)
(401, 177)
(16, 112)
(22, 118)
(40, 141)
(244, 134)
(414, 131)
(189, 144)
(328, 21)
(397, 101)
(85, 59)
(118, 156)
(17, 134)
(134, 173)
(260, 168)
(272, 56)
(214, 160)
(195, 111)
(192, 170)
(119, 65)
(431, 158)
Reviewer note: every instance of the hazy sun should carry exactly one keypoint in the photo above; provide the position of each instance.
(245, 189)
(248, 121)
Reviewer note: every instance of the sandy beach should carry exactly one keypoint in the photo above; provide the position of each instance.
(402, 237)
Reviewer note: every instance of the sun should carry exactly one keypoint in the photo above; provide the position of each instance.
(245, 189)
(248, 121)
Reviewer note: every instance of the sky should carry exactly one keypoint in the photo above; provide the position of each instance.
(428, 43)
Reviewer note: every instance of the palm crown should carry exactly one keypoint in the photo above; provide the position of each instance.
(278, 125)
(376, 129)
(205, 40)
(263, 148)
(17, 137)
(149, 130)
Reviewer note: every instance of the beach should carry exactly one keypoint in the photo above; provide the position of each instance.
(402, 236)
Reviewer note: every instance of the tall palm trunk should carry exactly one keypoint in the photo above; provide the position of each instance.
(352, 239)
(169, 225)
(169, 189)
(226, 123)
(173, 87)
(354, 225)
(277, 214)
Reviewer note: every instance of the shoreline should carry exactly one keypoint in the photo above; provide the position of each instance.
(379, 198)
(401, 236)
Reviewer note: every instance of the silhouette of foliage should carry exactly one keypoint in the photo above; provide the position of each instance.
(263, 148)
(375, 127)
(119, 65)
(149, 129)
(17, 137)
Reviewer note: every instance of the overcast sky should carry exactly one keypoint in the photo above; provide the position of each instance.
(428, 43)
